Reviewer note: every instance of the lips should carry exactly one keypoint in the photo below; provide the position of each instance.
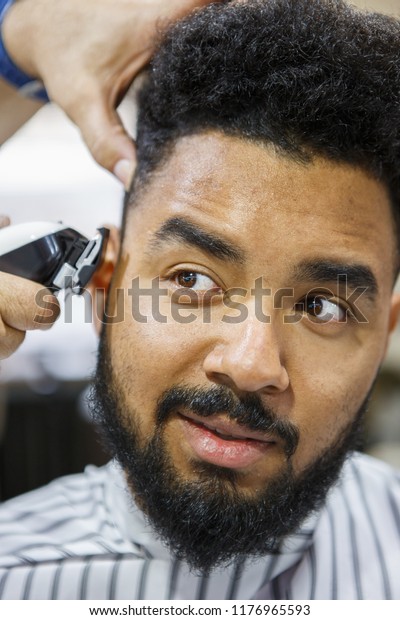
(221, 442)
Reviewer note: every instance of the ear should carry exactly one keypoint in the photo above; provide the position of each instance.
(394, 312)
(100, 283)
(393, 316)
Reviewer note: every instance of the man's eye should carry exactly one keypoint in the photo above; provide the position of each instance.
(323, 309)
(194, 280)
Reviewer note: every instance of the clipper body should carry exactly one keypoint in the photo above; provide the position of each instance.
(52, 254)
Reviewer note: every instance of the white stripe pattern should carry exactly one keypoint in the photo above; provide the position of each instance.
(81, 537)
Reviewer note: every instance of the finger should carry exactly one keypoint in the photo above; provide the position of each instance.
(177, 8)
(106, 138)
(124, 171)
(26, 305)
(10, 340)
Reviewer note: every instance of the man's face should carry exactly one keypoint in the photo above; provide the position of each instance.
(226, 214)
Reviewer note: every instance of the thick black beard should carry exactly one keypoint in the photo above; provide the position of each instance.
(210, 522)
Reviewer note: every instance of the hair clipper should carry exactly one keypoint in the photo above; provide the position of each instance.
(51, 254)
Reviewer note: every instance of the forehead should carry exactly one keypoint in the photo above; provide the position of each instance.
(265, 202)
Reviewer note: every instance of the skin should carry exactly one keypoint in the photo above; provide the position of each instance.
(19, 311)
(112, 42)
(315, 374)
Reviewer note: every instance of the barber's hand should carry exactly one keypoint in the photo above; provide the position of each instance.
(24, 305)
(87, 53)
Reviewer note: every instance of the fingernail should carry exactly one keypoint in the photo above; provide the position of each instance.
(124, 170)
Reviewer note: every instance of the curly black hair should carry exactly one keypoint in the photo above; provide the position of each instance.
(313, 77)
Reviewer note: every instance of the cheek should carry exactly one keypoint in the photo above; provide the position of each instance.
(330, 382)
(166, 341)
(150, 355)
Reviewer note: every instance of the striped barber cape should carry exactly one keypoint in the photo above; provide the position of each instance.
(81, 537)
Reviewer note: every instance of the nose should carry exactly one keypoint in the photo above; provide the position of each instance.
(249, 359)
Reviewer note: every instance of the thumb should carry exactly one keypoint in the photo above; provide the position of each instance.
(102, 130)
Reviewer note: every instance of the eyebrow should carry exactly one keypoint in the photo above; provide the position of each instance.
(182, 230)
(355, 275)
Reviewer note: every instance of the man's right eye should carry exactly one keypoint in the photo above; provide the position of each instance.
(193, 280)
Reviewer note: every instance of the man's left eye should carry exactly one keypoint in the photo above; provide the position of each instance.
(194, 280)
(323, 309)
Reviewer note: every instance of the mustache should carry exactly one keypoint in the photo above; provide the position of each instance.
(247, 411)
